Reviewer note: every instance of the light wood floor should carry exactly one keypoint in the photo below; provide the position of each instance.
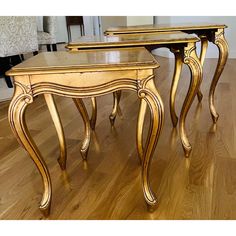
(108, 186)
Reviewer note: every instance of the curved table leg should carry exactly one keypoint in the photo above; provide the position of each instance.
(116, 100)
(221, 43)
(17, 121)
(94, 113)
(174, 85)
(82, 109)
(204, 45)
(190, 59)
(140, 123)
(58, 125)
(119, 112)
(149, 93)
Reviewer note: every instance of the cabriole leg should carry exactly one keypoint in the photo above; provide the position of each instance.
(204, 45)
(58, 125)
(149, 93)
(174, 85)
(189, 58)
(21, 99)
(140, 123)
(94, 113)
(116, 100)
(82, 109)
(221, 43)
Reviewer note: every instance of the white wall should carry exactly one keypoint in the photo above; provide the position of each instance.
(61, 29)
(139, 20)
(108, 21)
(212, 52)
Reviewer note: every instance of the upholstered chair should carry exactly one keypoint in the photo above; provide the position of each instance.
(48, 35)
(18, 35)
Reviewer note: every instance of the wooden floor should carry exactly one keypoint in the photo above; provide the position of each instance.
(108, 186)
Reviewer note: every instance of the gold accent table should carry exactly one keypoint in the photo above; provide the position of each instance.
(184, 48)
(79, 75)
(207, 32)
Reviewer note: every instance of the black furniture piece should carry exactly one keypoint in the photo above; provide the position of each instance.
(7, 63)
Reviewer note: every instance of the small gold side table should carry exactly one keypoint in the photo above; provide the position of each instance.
(79, 75)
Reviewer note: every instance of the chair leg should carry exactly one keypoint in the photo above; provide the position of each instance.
(5, 63)
(83, 30)
(69, 33)
(22, 57)
(48, 47)
(8, 82)
(54, 47)
(14, 60)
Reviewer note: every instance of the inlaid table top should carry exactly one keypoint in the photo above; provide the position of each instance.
(132, 40)
(107, 59)
(163, 27)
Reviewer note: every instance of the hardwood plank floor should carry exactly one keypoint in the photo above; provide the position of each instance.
(108, 186)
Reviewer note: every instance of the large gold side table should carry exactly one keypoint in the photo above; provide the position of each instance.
(207, 32)
(79, 75)
(184, 48)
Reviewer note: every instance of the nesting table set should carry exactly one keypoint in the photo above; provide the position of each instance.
(119, 60)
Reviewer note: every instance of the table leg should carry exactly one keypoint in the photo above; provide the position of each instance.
(82, 109)
(116, 100)
(151, 96)
(140, 123)
(58, 125)
(221, 43)
(204, 45)
(20, 100)
(94, 113)
(190, 58)
(174, 85)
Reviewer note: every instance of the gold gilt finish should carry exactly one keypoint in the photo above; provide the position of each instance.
(204, 45)
(80, 75)
(83, 112)
(163, 28)
(94, 113)
(116, 100)
(177, 42)
(189, 57)
(220, 41)
(206, 31)
(58, 125)
(174, 85)
(130, 40)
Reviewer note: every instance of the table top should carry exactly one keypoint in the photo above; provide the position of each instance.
(98, 60)
(92, 42)
(163, 27)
